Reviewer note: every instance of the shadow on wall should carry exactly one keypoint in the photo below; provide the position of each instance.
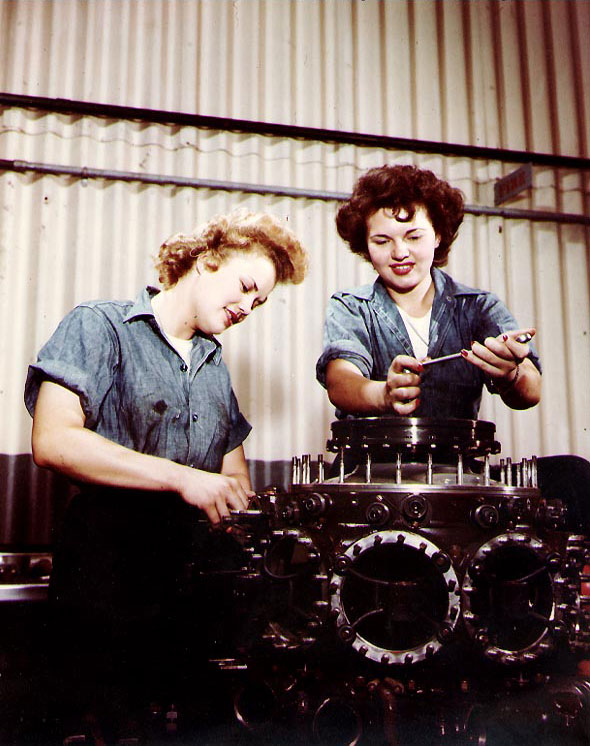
(33, 500)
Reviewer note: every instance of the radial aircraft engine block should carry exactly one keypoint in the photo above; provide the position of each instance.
(413, 545)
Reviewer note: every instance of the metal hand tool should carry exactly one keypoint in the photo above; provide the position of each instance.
(522, 338)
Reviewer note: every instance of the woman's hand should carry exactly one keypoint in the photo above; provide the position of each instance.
(215, 494)
(351, 392)
(402, 387)
(499, 357)
(505, 361)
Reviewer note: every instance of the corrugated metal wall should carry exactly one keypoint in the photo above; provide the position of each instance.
(512, 75)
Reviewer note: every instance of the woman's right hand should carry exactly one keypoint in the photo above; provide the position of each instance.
(402, 387)
(215, 494)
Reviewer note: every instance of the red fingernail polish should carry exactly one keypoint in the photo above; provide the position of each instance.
(464, 353)
(505, 337)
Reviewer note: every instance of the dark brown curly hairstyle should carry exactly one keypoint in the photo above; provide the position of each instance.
(223, 235)
(401, 188)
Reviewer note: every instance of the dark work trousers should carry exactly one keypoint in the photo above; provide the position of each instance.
(130, 626)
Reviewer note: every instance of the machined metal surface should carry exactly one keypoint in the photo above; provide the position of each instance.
(24, 576)
(414, 434)
(405, 570)
(394, 595)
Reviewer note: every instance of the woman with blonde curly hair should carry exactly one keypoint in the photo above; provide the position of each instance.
(132, 401)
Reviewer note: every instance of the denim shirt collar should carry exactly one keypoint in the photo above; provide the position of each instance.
(142, 308)
(446, 291)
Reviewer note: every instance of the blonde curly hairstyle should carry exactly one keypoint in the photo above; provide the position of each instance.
(223, 235)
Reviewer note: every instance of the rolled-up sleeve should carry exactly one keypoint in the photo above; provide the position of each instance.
(81, 356)
(240, 427)
(346, 336)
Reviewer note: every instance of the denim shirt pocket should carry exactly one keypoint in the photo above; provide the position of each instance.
(147, 419)
(215, 431)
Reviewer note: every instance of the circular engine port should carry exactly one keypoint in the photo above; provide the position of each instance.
(393, 597)
(509, 599)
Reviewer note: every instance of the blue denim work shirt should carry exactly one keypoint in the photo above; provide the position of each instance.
(364, 326)
(134, 387)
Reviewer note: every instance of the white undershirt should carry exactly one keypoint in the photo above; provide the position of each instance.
(182, 346)
(418, 330)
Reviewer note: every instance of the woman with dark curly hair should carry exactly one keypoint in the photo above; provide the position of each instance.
(377, 338)
(404, 220)
(132, 401)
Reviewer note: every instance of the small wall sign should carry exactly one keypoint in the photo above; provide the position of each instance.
(513, 183)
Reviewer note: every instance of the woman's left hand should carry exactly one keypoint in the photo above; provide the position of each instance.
(499, 357)
(505, 361)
